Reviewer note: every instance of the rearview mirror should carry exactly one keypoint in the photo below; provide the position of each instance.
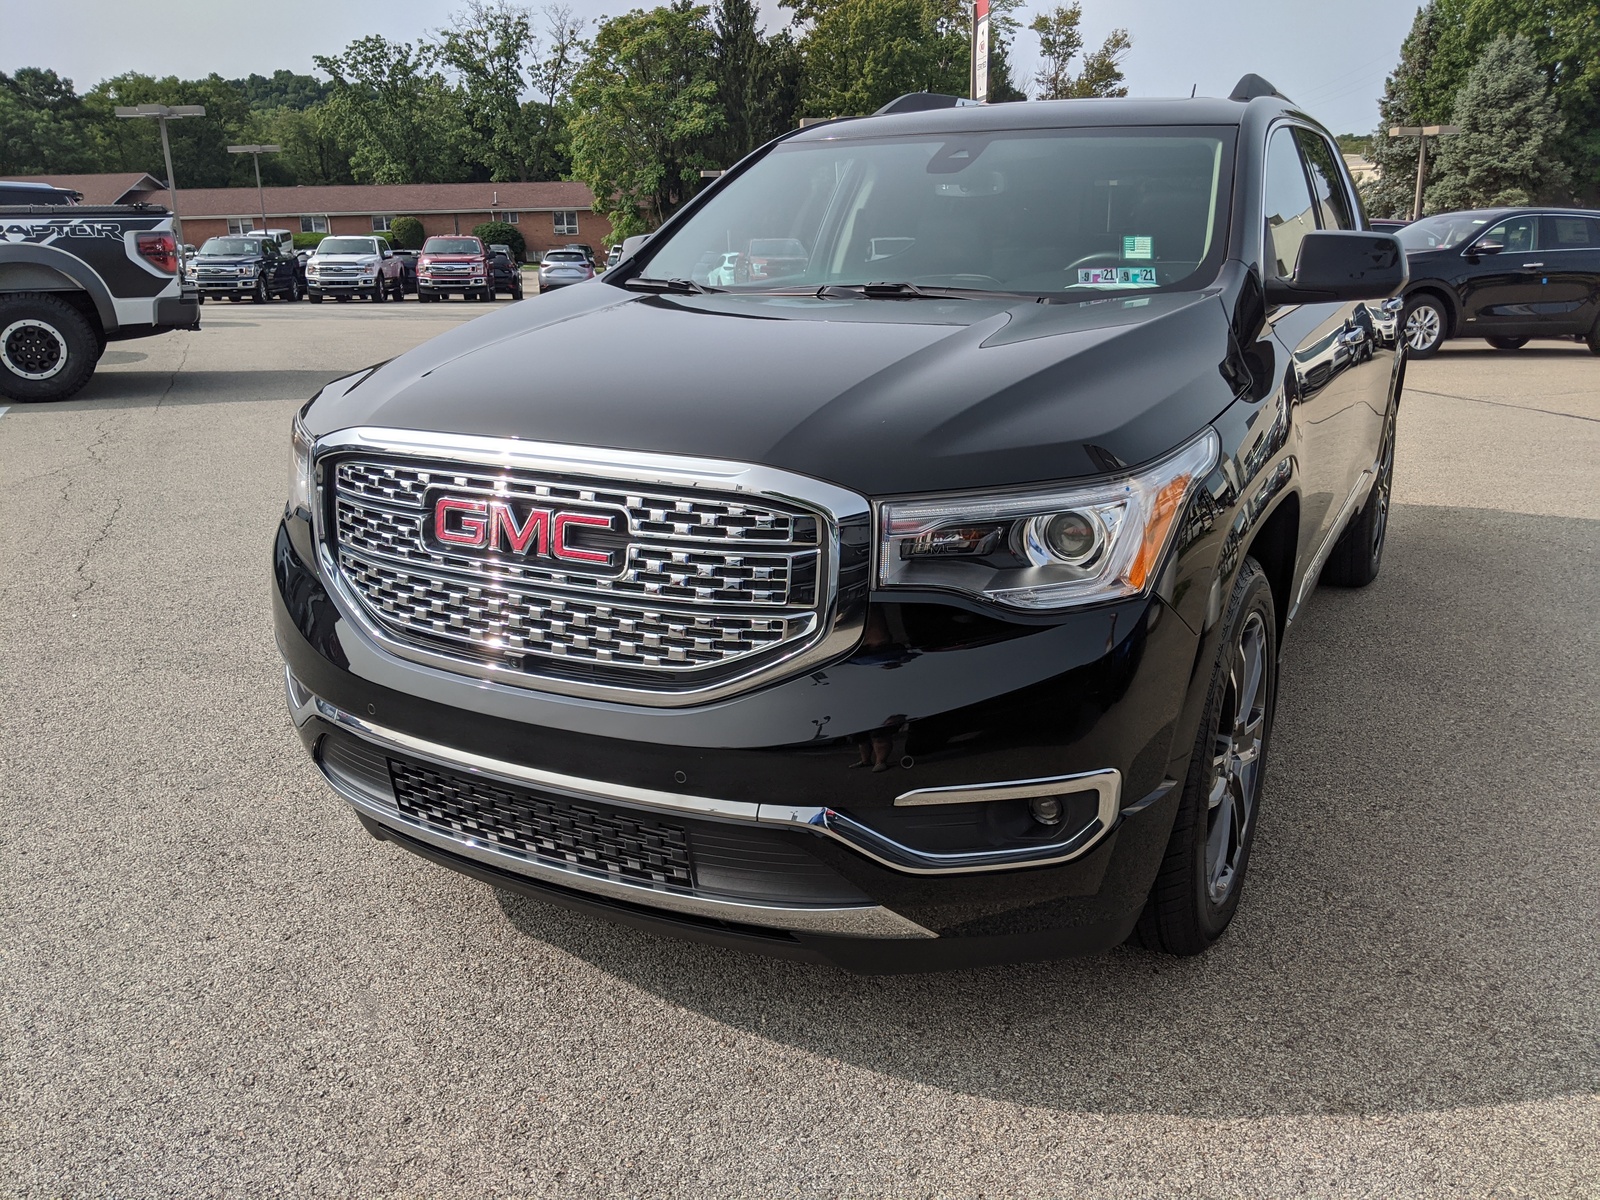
(1339, 265)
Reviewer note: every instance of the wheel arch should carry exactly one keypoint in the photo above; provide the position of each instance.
(31, 268)
(1274, 543)
(1442, 293)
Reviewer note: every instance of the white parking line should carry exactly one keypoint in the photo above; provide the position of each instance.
(4, 411)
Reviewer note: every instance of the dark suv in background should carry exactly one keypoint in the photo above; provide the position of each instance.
(244, 268)
(917, 604)
(1503, 274)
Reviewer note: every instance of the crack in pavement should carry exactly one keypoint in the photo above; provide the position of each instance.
(88, 553)
(172, 379)
(1549, 412)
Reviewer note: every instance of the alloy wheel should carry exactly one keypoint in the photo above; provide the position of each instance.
(32, 349)
(1423, 327)
(1236, 759)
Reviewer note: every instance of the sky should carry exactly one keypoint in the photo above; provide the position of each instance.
(1334, 68)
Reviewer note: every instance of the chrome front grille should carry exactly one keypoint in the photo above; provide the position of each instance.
(708, 586)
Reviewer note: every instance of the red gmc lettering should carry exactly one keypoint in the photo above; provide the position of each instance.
(480, 524)
(471, 531)
(572, 553)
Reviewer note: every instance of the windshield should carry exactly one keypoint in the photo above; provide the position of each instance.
(1031, 211)
(1443, 232)
(444, 245)
(347, 245)
(231, 246)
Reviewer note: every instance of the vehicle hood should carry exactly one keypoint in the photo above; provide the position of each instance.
(217, 260)
(453, 258)
(881, 396)
(343, 259)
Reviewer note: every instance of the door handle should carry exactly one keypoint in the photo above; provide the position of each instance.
(1531, 266)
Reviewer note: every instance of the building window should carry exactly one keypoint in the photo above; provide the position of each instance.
(381, 224)
(241, 224)
(313, 224)
(566, 221)
(511, 218)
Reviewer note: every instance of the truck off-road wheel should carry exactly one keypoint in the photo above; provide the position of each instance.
(1358, 553)
(1506, 343)
(1197, 889)
(47, 348)
(1423, 326)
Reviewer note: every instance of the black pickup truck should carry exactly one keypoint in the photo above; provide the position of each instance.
(74, 277)
(915, 604)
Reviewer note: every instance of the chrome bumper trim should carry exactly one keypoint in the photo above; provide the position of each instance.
(820, 820)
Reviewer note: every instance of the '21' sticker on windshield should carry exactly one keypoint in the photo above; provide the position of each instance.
(1117, 277)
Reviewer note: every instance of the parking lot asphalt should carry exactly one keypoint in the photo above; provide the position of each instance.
(214, 984)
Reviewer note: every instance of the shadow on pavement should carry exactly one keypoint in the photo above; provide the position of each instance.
(138, 388)
(1419, 927)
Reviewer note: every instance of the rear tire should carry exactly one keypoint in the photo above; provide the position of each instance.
(1593, 339)
(48, 349)
(1507, 343)
(1358, 553)
(1196, 891)
(1423, 325)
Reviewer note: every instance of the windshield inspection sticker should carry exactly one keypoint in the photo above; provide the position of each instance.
(1138, 247)
(1117, 277)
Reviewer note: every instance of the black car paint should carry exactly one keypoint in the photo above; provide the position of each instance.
(1534, 293)
(896, 397)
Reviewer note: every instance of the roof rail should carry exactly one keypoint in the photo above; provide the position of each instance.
(922, 102)
(1252, 87)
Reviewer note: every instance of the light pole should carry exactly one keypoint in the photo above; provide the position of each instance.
(164, 114)
(256, 152)
(1422, 133)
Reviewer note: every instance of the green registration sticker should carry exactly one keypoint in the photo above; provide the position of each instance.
(1138, 247)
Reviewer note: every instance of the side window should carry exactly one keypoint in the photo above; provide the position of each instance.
(1569, 233)
(1289, 209)
(1327, 184)
(1516, 234)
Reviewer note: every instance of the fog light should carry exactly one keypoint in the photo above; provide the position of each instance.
(1045, 809)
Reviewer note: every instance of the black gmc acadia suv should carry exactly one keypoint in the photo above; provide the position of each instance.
(915, 605)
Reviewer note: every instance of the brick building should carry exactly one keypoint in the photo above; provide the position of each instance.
(546, 214)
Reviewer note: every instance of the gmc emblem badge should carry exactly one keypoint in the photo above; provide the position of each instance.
(592, 541)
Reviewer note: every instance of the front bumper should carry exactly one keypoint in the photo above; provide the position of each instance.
(924, 855)
(358, 283)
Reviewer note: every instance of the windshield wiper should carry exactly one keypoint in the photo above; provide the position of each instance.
(687, 287)
(912, 291)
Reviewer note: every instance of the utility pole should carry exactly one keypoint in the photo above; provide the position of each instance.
(163, 113)
(256, 152)
(1422, 133)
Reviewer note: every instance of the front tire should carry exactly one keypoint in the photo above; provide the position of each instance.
(1424, 324)
(48, 349)
(1358, 553)
(261, 295)
(1197, 889)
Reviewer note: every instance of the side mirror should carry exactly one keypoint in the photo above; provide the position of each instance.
(630, 246)
(388, 253)
(1486, 248)
(1339, 265)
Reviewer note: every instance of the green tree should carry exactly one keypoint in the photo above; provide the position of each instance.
(498, 233)
(1061, 41)
(861, 54)
(1510, 126)
(314, 150)
(199, 145)
(1406, 101)
(645, 113)
(399, 113)
(407, 233)
(558, 54)
(285, 89)
(44, 125)
(487, 46)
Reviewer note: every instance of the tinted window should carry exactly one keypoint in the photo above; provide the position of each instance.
(1290, 213)
(1442, 232)
(1569, 233)
(230, 246)
(449, 245)
(1327, 184)
(1516, 234)
(1028, 211)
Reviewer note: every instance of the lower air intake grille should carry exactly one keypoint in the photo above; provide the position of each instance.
(566, 832)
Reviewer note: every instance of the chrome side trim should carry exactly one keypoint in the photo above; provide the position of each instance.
(839, 625)
(819, 820)
(1352, 502)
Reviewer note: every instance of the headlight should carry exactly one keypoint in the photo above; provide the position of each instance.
(370, 269)
(302, 478)
(1042, 550)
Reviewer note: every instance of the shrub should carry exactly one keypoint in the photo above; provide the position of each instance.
(307, 241)
(406, 233)
(498, 233)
